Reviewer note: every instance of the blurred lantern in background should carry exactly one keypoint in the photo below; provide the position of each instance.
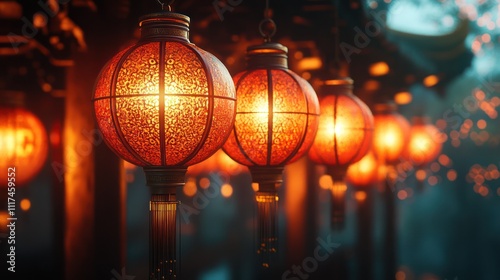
(424, 146)
(164, 104)
(391, 136)
(344, 136)
(363, 173)
(23, 139)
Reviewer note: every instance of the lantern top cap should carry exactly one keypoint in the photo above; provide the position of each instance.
(11, 98)
(267, 48)
(339, 82)
(165, 17)
(385, 108)
(164, 25)
(267, 55)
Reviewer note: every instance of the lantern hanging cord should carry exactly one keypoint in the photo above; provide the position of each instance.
(267, 26)
(336, 28)
(169, 5)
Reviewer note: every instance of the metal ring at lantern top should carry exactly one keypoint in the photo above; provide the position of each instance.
(262, 32)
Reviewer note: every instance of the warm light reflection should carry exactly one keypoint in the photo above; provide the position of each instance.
(23, 144)
(379, 69)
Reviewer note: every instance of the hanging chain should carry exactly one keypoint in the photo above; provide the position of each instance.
(267, 26)
(336, 27)
(169, 5)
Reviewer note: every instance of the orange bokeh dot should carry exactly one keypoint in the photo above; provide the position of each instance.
(325, 182)
(360, 196)
(204, 183)
(25, 204)
(226, 190)
(433, 180)
(402, 194)
(420, 174)
(189, 188)
(481, 124)
(451, 175)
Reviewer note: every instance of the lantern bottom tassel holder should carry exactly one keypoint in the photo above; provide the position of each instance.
(268, 179)
(163, 230)
(339, 189)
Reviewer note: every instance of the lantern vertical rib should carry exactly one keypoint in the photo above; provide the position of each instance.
(270, 115)
(161, 104)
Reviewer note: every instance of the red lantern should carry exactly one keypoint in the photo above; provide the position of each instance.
(164, 104)
(276, 120)
(344, 136)
(23, 140)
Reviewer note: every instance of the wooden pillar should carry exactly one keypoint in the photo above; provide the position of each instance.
(95, 189)
(79, 171)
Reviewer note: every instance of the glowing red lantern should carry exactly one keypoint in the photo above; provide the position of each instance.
(344, 136)
(424, 145)
(276, 120)
(391, 133)
(164, 104)
(23, 140)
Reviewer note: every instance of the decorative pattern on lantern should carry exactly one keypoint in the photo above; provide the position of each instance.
(276, 120)
(344, 136)
(23, 140)
(425, 143)
(164, 104)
